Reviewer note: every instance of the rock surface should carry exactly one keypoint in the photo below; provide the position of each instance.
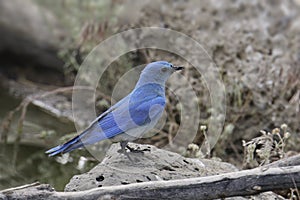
(154, 164)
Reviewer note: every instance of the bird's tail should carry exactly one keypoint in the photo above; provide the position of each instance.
(91, 135)
(67, 147)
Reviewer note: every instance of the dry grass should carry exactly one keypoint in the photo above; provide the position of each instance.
(256, 51)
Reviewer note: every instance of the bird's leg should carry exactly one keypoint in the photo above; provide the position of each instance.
(123, 145)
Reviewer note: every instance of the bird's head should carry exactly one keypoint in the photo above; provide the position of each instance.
(158, 72)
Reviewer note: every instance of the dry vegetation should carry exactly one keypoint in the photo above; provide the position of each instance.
(254, 44)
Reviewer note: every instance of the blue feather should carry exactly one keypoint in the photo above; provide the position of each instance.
(68, 146)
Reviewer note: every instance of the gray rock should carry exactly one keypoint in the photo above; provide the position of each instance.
(154, 164)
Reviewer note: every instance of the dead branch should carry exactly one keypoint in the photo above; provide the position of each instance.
(242, 183)
(289, 161)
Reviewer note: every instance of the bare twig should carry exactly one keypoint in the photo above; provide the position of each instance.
(20, 187)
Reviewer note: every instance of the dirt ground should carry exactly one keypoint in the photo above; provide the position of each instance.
(254, 44)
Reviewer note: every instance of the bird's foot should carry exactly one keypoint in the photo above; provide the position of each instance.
(137, 150)
(131, 152)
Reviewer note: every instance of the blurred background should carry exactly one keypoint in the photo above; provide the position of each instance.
(255, 45)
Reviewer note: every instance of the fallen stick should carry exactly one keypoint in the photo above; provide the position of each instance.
(242, 183)
(289, 161)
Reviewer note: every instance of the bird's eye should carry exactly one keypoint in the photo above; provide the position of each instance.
(171, 65)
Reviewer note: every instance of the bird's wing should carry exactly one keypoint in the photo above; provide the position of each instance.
(143, 105)
(133, 115)
(144, 112)
(112, 108)
(128, 114)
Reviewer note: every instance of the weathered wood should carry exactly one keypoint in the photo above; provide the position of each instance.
(21, 187)
(242, 183)
(289, 161)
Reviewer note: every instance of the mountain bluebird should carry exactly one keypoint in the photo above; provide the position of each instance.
(132, 116)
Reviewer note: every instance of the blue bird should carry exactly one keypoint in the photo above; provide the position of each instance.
(131, 117)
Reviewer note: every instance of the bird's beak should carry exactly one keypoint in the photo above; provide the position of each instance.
(177, 68)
